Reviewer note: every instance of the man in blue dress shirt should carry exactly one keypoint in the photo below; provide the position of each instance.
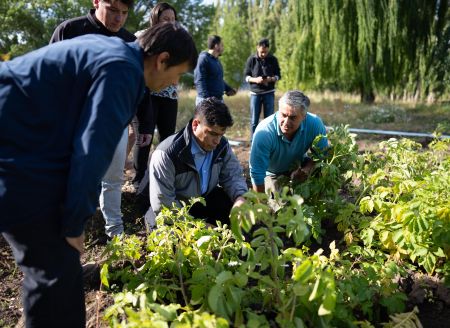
(198, 161)
(281, 141)
(63, 109)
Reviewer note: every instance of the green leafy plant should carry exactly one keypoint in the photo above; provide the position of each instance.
(411, 197)
(392, 207)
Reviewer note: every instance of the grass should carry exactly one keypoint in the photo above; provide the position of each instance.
(336, 109)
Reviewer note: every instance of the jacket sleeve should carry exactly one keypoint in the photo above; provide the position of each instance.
(248, 68)
(277, 70)
(58, 34)
(227, 87)
(63, 31)
(231, 177)
(162, 181)
(110, 104)
(145, 115)
(200, 72)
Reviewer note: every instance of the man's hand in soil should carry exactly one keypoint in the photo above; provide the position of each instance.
(299, 175)
(77, 242)
(303, 172)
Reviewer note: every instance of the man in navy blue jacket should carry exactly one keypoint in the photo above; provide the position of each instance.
(63, 109)
(208, 75)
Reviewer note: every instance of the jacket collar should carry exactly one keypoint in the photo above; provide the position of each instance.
(99, 25)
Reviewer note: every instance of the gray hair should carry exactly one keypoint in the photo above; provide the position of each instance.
(295, 99)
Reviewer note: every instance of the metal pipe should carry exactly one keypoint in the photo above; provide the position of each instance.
(371, 131)
(395, 133)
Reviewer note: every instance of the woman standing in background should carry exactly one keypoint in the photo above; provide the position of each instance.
(164, 103)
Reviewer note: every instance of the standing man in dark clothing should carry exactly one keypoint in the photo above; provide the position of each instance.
(261, 72)
(108, 19)
(208, 75)
(63, 109)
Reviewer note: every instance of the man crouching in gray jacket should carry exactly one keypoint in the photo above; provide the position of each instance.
(198, 161)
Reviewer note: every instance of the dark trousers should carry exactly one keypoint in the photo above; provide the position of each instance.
(218, 207)
(165, 116)
(52, 289)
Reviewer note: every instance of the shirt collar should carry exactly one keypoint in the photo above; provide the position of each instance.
(195, 148)
(99, 25)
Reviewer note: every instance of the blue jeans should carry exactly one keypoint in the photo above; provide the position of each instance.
(256, 102)
(111, 194)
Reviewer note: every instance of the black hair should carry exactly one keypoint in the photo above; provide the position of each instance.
(158, 10)
(264, 42)
(214, 112)
(128, 3)
(213, 40)
(171, 38)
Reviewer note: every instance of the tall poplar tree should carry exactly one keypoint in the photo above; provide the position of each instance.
(27, 25)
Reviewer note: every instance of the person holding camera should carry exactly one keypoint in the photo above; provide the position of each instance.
(261, 72)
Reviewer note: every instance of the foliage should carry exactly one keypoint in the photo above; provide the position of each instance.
(27, 25)
(394, 48)
(390, 47)
(410, 192)
(404, 320)
(197, 17)
(333, 171)
(406, 187)
(195, 270)
(235, 37)
(261, 272)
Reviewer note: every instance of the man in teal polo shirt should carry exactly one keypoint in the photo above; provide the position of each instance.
(281, 141)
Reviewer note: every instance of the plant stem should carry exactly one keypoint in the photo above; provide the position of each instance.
(222, 248)
(180, 277)
(274, 262)
(291, 318)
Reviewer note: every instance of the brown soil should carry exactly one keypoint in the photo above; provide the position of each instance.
(428, 293)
